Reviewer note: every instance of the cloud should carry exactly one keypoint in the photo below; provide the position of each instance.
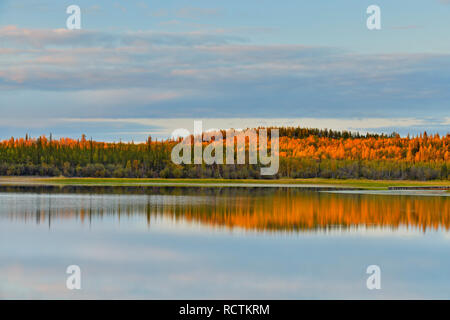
(127, 96)
(41, 38)
(138, 129)
(144, 74)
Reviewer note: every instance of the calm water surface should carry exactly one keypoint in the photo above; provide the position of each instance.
(230, 243)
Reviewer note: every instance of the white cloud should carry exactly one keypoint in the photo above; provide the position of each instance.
(165, 127)
(213, 75)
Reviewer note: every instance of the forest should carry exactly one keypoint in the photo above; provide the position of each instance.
(303, 153)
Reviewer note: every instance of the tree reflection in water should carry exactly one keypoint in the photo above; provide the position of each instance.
(257, 209)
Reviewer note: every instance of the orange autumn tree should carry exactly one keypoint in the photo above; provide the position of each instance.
(304, 153)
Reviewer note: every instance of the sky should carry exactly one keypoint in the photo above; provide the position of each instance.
(139, 68)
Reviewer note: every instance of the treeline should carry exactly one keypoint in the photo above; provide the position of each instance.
(300, 133)
(304, 153)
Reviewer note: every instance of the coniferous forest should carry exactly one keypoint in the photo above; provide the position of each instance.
(304, 153)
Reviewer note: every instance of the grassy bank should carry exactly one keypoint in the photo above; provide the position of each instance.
(366, 184)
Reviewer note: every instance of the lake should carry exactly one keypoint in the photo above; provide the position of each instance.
(222, 243)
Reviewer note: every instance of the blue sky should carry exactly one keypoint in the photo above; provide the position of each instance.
(148, 67)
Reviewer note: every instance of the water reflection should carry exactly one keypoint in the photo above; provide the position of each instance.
(257, 209)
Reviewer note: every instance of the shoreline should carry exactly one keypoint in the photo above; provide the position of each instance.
(313, 183)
